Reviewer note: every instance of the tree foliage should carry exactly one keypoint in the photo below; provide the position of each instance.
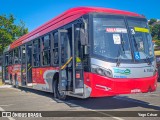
(155, 32)
(157, 42)
(155, 29)
(9, 31)
(151, 21)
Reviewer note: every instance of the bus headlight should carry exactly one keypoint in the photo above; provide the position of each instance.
(102, 71)
(108, 73)
(99, 71)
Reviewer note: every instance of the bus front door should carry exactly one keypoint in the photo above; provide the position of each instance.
(62, 48)
(71, 72)
(77, 66)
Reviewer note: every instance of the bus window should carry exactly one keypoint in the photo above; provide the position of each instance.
(64, 47)
(36, 51)
(19, 52)
(16, 56)
(55, 50)
(10, 57)
(46, 50)
(6, 59)
(77, 42)
(23, 55)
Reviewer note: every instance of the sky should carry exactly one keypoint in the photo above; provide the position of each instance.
(36, 12)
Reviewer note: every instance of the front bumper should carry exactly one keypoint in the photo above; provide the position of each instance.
(104, 86)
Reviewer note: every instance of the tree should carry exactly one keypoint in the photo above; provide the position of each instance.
(157, 42)
(154, 28)
(155, 31)
(153, 20)
(9, 31)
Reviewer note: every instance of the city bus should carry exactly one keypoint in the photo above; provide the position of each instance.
(85, 52)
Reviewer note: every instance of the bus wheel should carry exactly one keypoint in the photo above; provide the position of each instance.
(16, 81)
(10, 78)
(57, 93)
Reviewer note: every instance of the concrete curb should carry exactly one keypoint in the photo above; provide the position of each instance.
(6, 86)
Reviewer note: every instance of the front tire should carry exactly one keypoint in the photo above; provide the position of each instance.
(57, 93)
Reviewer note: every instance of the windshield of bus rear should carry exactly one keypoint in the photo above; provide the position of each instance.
(110, 38)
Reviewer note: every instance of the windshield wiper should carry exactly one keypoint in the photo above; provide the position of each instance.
(135, 43)
(147, 59)
(121, 48)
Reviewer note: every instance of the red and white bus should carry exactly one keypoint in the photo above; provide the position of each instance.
(85, 52)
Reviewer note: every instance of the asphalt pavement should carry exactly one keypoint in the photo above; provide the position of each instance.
(23, 99)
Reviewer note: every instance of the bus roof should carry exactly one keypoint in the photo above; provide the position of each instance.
(65, 18)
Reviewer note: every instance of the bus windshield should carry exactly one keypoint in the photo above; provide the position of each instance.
(110, 38)
(142, 40)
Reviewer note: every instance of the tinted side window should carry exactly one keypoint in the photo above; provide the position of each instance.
(10, 57)
(16, 56)
(46, 42)
(55, 50)
(36, 52)
(6, 59)
(46, 50)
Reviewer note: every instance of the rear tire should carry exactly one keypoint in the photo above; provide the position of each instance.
(11, 81)
(16, 82)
